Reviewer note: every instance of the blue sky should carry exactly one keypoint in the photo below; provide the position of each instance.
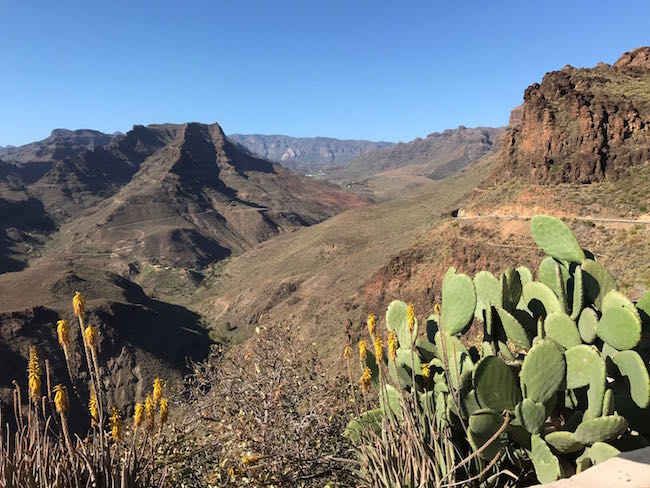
(347, 69)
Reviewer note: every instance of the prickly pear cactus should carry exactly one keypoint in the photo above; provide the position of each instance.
(558, 377)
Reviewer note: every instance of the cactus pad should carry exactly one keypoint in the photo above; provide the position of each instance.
(643, 307)
(488, 292)
(587, 325)
(631, 365)
(540, 299)
(543, 371)
(600, 429)
(597, 282)
(397, 320)
(582, 362)
(577, 302)
(619, 327)
(556, 239)
(562, 329)
(599, 453)
(531, 415)
(510, 288)
(514, 331)
(547, 466)
(609, 405)
(615, 299)
(458, 303)
(485, 421)
(563, 442)
(496, 384)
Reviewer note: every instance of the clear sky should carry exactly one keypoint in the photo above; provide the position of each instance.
(343, 68)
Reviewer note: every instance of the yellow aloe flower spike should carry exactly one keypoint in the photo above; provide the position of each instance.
(60, 399)
(92, 407)
(79, 304)
(164, 411)
(347, 351)
(90, 334)
(150, 413)
(63, 333)
(372, 325)
(426, 372)
(34, 373)
(116, 424)
(157, 390)
(392, 345)
(410, 319)
(138, 416)
(363, 350)
(379, 349)
(365, 379)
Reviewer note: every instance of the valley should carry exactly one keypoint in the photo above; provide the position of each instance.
(186, 241)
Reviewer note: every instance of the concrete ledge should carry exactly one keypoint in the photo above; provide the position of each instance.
(627, 470)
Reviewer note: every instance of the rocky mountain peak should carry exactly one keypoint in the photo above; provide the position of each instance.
(582, 125)
(636, 58)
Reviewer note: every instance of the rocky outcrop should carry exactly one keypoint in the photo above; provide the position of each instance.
(582, 125)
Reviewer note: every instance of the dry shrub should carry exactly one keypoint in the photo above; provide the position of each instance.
(267, 414)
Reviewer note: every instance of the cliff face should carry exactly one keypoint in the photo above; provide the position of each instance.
(582, 125)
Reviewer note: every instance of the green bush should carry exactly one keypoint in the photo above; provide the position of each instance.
(557, 385)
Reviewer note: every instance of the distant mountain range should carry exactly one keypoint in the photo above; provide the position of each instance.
(436, 156)
(306, 153)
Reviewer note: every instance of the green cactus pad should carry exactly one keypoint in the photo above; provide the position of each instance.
(600, 429)
(426, 350)
(397, 320)
(495, 384)
(525, 275)
(510, 288)
(577, 302)
(587, 325)
(400, 374)
(582, 362)
(556, 239)
(391, 400)
(543, 371)
(563, 442)
(600, 452)
(597, 282)
(432, 326)
(488, 292)
(478, 440)
(540, 299)
(596, 392)
(514, 331)
(531, 415)
(643, 308)
(451, 272)
(615, 299)
(550, 273)
(609, 404)
(409, 359)
(631, 365)
(470, 403)
(455, 355)
(370, 420)
(458, 303)
(562, 329)
(619, 328)
(547, 466)
(485, 421)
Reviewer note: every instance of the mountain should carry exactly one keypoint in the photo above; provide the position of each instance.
(306, 154)
(162, 201)
(184, 194)
(413, 166)
(61, 144)
(582, 125)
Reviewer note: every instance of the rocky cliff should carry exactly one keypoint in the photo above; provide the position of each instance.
(582, 125)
